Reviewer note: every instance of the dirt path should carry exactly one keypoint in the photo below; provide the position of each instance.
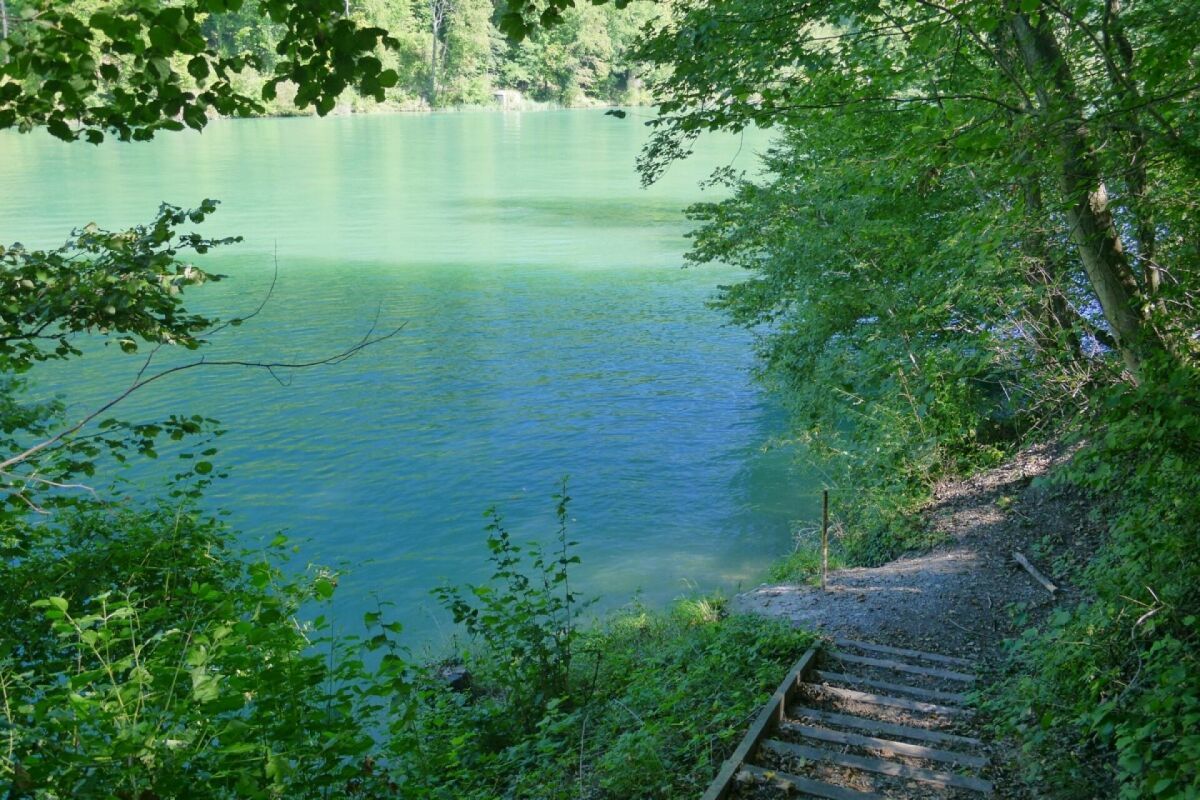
(958, 599)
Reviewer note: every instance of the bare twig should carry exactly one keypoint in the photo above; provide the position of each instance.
(53, 484)
(369, 339)
(266, 299)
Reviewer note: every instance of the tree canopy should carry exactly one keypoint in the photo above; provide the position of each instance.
(976, 227)
(1082, 113)
(86, 69)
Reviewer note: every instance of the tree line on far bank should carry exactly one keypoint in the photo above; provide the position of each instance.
(444, 53)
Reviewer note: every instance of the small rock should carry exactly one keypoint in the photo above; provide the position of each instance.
(456, 676)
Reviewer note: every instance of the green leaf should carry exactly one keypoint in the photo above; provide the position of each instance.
(59, 129)
(276, 768)
(198, 68)
(161, 67)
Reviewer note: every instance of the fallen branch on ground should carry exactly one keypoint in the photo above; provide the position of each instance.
(1035, 572)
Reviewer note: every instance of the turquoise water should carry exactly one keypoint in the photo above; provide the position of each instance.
(549, 330)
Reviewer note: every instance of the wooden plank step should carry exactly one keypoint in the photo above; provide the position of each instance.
(894, 702)
(900, 651)
(880, 766)
(879, 726)
(930, 694)
(887, 746)
(900, 666)
(789, 783)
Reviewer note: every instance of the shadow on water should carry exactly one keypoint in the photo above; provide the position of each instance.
(589, 212)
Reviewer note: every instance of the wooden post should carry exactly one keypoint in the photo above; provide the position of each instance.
(824, 538)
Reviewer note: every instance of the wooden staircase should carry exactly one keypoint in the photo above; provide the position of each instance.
(861, 721)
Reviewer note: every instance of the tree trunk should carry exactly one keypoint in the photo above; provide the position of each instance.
(1091, 225)
(3, 19)
(433, 61)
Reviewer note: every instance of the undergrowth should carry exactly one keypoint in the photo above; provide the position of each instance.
(143, 654)
(803, 565)
(1105, 698)
(663, 698)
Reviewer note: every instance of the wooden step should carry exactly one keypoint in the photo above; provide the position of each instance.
(949, 780)
(918, 706)
(791, 783)
(886, 746)
(879, 726)
(900, 651)
(931, 694)
(899, 666)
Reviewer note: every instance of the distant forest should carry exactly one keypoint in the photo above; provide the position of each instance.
(451, 52)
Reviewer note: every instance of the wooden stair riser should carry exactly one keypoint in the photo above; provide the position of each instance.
(796, 783)
(850, 644)
(881, 727)
(902, 667)
(947, 780)
(886, 746)
(858, 682)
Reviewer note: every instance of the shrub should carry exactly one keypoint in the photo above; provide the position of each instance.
(141, 655)
(1106, 697)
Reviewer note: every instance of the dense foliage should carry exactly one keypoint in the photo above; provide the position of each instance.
(977, 226)
(135, 67)
(140, 657)
(1117, 680)
(83, 68)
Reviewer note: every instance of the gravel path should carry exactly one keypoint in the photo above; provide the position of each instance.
(956, 599)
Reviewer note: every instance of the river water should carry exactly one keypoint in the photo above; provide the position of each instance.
(550, 330)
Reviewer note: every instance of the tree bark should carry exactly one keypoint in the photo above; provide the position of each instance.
(438, 11)
(433, 63)
(1091, 225)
